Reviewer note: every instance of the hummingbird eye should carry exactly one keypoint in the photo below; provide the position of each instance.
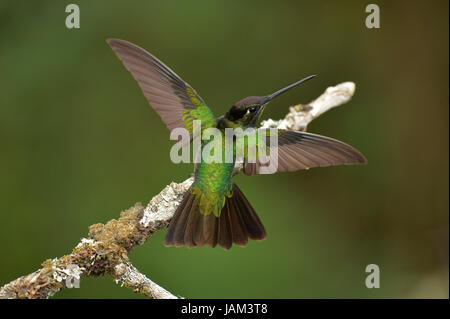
(252, 109)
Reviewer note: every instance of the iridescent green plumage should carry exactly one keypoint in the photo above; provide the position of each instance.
(213, 179)
(202, 113)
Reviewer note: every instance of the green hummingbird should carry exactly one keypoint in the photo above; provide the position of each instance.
(214, 211)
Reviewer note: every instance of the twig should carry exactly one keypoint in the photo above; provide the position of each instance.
(107, 247)
(301, 115)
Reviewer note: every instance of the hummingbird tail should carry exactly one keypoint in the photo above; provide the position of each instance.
(238, 221)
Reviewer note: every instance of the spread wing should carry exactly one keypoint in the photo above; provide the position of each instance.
(174, 100)
(301, 150)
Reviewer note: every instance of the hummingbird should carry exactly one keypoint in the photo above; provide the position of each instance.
(214, 211)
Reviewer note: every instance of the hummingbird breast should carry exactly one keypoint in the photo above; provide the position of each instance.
(213, 177)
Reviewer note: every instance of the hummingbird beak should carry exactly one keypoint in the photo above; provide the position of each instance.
(270, 97)
(266, 99)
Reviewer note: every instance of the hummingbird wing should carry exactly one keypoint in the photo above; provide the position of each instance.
(300, 150)
(174, 100)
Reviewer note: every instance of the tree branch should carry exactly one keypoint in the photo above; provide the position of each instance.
(106, 249)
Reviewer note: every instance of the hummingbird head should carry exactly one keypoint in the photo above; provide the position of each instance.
(248, 111)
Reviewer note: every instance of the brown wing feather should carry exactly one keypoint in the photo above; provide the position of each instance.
(167, 93)
(301, 150)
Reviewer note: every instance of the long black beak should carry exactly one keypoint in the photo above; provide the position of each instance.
(270, 97)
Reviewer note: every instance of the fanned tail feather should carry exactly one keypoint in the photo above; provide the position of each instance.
(238, 221)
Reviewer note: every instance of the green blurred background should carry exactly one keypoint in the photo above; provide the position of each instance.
(79, 142)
